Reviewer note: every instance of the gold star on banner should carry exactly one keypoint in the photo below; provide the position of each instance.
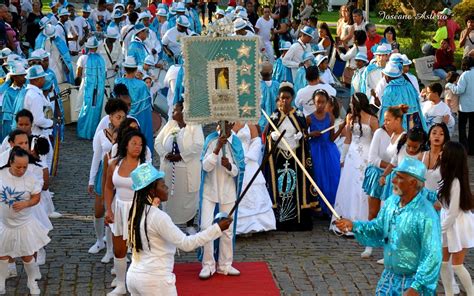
(244, 88)
(243, 50)
(244, 69)
(246, 109)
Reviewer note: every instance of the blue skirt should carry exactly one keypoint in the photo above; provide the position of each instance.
(388, 188)
(371, 184)
(98, 179)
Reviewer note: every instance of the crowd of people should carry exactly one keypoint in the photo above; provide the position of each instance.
(344, 112)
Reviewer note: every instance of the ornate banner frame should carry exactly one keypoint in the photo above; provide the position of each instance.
(221, 79)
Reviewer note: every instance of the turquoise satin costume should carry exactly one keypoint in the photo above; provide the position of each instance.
(281, 72)
(94, 85)
(411, 238)
(19, 103)
(268, 100)
(137, 49)
(9, 98)
(141, 106)
(237, 152)
(63, 51)
(195, 21)
(401, 91)
(363, 78)
(179, 88)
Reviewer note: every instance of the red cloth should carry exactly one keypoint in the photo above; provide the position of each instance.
(371, 42)
(443, 58)
(453, 27)
(255, 280)
(167, 2)
(152, 8)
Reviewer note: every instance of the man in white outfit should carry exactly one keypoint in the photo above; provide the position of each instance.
(294, 57)
(219, 188)
(264, 29)
(172, 36)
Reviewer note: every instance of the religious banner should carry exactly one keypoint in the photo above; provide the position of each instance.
(221, 79)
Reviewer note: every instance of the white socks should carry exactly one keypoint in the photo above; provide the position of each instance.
(108, 240)
(120, 266)
(32, 271)
(464, 277)
(99, 229)
(3, 275)
(446, 278)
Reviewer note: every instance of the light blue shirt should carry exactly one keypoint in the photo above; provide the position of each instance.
(465, 89)
(411, 238)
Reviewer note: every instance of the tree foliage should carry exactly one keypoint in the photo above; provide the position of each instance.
(462, 10)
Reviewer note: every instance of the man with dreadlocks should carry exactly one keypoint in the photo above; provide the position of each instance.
(153, 237)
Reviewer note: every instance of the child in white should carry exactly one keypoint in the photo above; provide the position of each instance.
(436, 111)
(457, 219)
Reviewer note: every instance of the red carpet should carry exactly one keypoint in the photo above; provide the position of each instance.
(255, 279)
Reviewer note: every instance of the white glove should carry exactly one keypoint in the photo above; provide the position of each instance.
(298, 136)
(275, 136)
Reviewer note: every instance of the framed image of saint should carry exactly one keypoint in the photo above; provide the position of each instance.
(221, 79)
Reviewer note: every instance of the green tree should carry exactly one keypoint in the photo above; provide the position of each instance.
(415, 17)
(462, 10)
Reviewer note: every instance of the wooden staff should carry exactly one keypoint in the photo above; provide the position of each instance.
(331, 127)
(328, 204)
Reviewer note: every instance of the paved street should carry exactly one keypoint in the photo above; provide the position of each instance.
(305, 263)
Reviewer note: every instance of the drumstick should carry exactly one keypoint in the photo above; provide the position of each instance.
(331, 127)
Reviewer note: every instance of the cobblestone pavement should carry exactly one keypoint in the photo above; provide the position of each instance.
(304, 263)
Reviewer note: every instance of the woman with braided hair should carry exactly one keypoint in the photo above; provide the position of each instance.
(154, 238)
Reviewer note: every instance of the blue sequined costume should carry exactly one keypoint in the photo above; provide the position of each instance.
(411, 238)
(268, 100)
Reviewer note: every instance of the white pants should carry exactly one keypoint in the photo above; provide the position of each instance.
(144, 284)
(225, 242)
(269, 53)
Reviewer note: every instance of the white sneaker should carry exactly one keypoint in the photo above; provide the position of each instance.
(367, 253)
(113, 284)
(34, 289)
(119, 290)
(380, 261)
(191, 230)
(97, 247)
(205, 273)
(11, 271)
(55, 215)
(41, 257)
(107, 257)
(229, 270)
(456, 289)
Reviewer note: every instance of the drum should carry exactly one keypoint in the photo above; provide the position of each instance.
(68, 96)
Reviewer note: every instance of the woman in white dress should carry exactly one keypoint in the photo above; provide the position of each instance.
(131, 153)
(154, 237)
(21, 234)
(116, 110)
(351, 200)
(255, 213)
(179, 146)
(438, 135)
(457, 219)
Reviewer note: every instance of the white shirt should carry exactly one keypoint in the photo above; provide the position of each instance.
(36, 103)
(294, 56)
(264, 28)
(163, 29)
(112, 59)
(126, 37)
(172, 39)
(219, 184)
(100, 145)
(170, 83)
(5, 145)
(378, 148)
(96, 13)
(152, 42)
(360, 27)
(434, 113)
(157, 257)
(304, 97)
(373, 78)
(326, 76)
(414, 81)
(349, 56)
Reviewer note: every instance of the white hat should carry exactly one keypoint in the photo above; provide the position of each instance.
(44, 21)
(112, 32)
(392, 69)
(143, 15)
(309, 31)
(119, 6)
(63, 11)
(183, 21)
(150, 60)
(109, 2)
(285, 45)
(16, 69)
(86, 8)
(360, 56)
(11, 59)
(406, 60)
(317, 49)
(307, 57)
(5, 52)
(243, 14)
(92, 42)
(320, 58)
(383, 48)
(220, 12)
(180, 7)
(130, 62)
(49, 31)
(117, 13)
(35, 72)
(36, 55)
(162, 12)
(239, 24)
(139, 27)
